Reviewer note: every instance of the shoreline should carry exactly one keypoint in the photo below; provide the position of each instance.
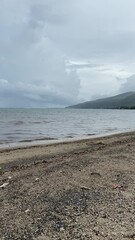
(37, 143)
(82, 189)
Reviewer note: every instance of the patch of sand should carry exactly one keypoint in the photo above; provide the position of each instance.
(76, 190)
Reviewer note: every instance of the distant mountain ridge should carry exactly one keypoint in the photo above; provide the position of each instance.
(121, 101)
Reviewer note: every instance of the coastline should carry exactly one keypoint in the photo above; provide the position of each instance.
(41, 147)
(41, 142)
(81, 188)
(47, 142)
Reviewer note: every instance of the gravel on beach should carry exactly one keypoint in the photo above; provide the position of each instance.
(76, 190)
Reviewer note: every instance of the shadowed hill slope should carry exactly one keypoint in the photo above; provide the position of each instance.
(121, 101)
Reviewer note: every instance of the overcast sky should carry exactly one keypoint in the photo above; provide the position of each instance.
(55, 53)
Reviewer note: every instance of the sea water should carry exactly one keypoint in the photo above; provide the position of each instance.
(33, 125)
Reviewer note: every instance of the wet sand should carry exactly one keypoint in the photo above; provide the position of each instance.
(75, 190)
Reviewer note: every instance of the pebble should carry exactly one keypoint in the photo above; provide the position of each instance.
(129, 234)
(62, 229)
(27, 210)
(4, 185)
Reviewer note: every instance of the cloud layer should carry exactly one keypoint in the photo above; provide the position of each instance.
(55, 53)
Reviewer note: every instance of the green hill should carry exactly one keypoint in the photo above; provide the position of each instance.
(121, 101)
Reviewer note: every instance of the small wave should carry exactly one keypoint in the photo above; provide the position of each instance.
(12, 134)
(21, 131)
(91, 134)
(38, 139)
(36, 122)
(49, 121)
(19, 123)
(69, 136)
(26, 140)
(11, 137)
(111, 129)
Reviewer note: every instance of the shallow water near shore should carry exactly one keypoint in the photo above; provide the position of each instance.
(49, 125)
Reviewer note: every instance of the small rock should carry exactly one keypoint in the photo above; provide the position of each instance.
(62, 229)
(37, 179)
(0, 170)
(85, 188)
(116, 186)
(129, 234)
(27, 210)
(104, 215)
(95, 174)
(4, 185)
(96, 230)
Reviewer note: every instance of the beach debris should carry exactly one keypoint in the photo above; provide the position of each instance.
(4, 185)
(85, 188)
(95, 174)
(27, 210)
(42, 237)
(117, 186)
(103, 214)
(129, 235)
(62, 229)
(37, 179)
(1, 170)
(101, 143)
(96, 230)
(9, 177)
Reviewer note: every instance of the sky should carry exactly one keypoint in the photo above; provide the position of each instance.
(55, 53)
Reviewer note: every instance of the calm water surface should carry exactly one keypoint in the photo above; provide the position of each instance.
(27, 125)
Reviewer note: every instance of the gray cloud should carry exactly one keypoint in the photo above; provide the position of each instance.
(33, 69)
(128, 85)
(39, 37)
(76, 66)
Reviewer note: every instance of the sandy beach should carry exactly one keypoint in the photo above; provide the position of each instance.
(75, 190)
